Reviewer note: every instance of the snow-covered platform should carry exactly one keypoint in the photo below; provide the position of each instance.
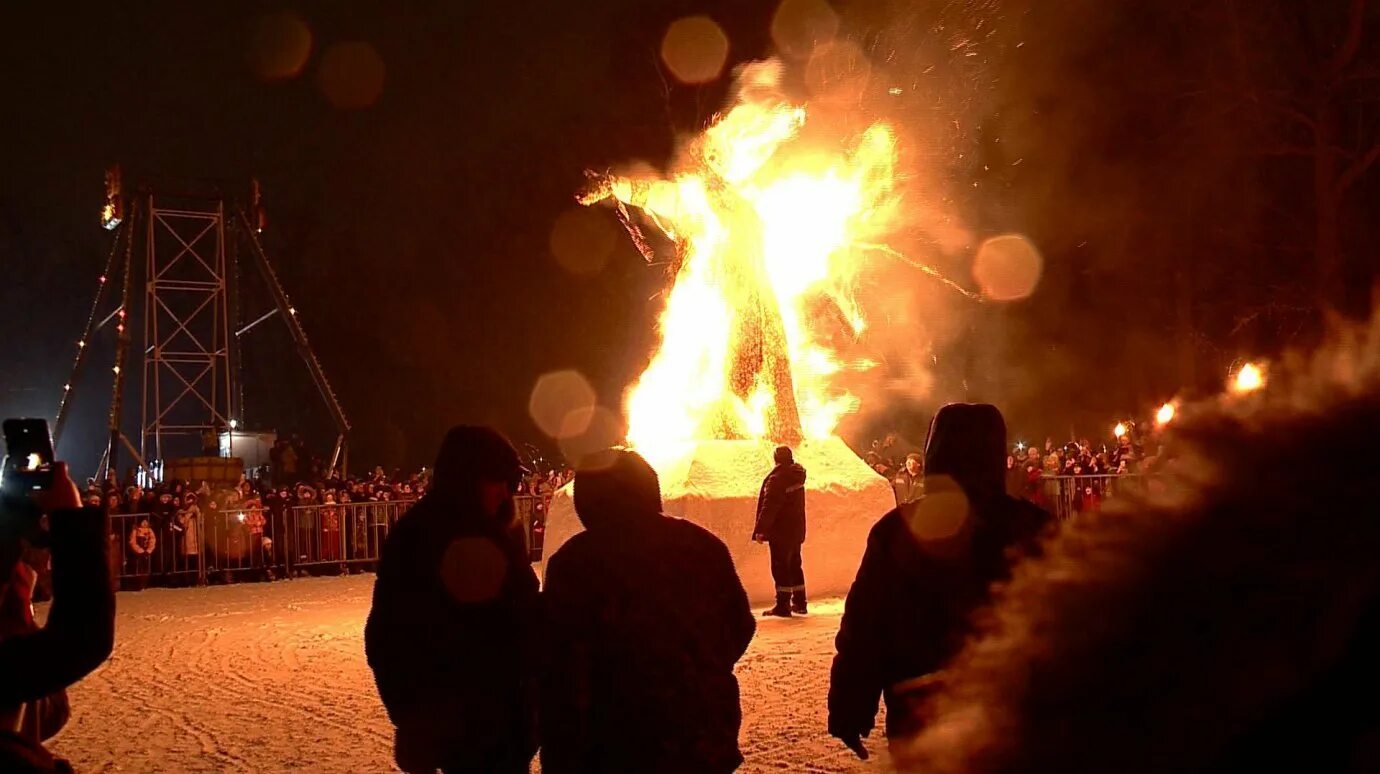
(715, 484)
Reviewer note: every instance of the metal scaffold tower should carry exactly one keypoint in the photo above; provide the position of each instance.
(183, 246)
(188, 382)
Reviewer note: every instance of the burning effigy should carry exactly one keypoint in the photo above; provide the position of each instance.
(770, 226)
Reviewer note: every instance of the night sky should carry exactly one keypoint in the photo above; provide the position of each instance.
(1148, 152)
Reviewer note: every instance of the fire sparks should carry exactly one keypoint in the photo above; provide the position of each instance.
(1249, 378)
(1119, 430)
(770, 230)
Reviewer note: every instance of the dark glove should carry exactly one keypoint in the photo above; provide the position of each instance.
(853, 742)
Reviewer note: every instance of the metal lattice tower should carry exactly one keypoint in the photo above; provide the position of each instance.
(184, 247)
(188, 380)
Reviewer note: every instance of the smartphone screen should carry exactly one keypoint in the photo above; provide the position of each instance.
(28, 455)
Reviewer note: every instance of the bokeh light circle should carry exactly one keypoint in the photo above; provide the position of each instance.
(603, 429)
(351, 75)
(943, 512)
(1007, 267)
(558, 402)
(694, 49)
(279, 45)
(800, 25)
(582, 239)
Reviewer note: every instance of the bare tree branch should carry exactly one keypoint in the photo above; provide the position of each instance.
(1354, 26)
(1287, 150)
(1358, 168)
(1280, 104)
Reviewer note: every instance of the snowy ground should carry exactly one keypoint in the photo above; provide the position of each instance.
(271, 677)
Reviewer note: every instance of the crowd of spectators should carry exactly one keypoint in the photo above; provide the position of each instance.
(1073, 476)
(183, 532)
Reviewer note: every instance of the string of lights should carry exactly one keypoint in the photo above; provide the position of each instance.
(122, 230)
(121, 350)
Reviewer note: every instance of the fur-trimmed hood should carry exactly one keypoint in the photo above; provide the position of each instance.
(1229, 622)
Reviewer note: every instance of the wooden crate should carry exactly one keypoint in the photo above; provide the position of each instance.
(216, 471)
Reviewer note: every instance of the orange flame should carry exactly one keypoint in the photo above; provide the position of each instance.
(1250, 378)
(1165, 414)
(770, 231)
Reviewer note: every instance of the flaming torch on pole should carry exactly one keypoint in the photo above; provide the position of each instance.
(1165, 414)
(1249, 378)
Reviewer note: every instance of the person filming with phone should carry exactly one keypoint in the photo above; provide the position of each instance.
(40, 507)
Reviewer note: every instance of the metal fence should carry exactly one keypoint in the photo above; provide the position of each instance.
(1068, 496)
(342, 534)
(146, 549)
(238, 544)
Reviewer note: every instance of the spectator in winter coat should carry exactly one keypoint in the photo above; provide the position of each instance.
(189, 525)
(781, 525)
(909, 484)
(646, 619)
(450, 636)
(330, 517)
(928, 566)
(142, 543)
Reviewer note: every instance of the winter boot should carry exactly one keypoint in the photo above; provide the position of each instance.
(783, 606)
(798, 602)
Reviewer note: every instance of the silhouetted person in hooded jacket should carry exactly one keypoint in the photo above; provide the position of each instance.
(646, 618)
(451, 631)
(928, 567)
(781, 525)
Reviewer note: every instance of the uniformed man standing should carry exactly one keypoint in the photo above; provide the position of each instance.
(781, 525)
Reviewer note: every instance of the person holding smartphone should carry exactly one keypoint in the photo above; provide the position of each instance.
(40, 506)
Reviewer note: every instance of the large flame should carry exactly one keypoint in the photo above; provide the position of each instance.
(770, 229)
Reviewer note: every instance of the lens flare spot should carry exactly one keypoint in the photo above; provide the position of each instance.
(558, 402)
(602, 429)
(694, 49)
(1007, 268)
(941, 514)
(351, 75)
(279, 45)
(582, 240)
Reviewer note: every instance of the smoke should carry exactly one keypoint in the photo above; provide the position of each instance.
(925, 70)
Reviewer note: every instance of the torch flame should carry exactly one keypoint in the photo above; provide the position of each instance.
(1250, 378)
(769, 230)
(1119, 430)
(1165, 415)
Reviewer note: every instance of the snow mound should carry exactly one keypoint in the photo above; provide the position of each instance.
(715, 484)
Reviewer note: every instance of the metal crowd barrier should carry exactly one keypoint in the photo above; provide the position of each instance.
(531, 511)
(1069, 496)
(172, 560)
(260, 544)
(342, 534)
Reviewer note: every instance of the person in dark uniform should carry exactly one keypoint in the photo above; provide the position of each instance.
(451, 631)
(928, 566)
(646, 619)
(781, 525)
